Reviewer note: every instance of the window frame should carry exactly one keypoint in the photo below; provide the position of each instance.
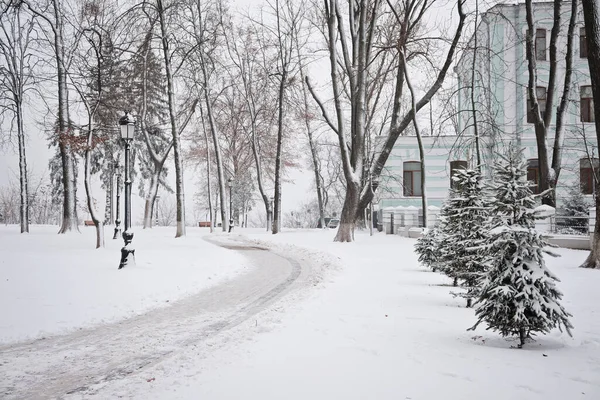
(540, 36)
(541, 101)
(415, 184)
(583, 49)
(586, 105)
(586, 175)
(533, 166)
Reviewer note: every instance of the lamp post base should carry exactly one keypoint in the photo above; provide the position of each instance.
(117, 229)
(127, 252)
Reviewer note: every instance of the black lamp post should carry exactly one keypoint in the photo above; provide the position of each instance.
(127, 125)
(118, 215)
(230, 183)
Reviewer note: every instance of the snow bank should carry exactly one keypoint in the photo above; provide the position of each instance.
(53, 283)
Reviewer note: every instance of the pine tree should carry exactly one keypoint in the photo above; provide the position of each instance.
(519, 294)
(576, 207)
(465, 220)
(427, 247)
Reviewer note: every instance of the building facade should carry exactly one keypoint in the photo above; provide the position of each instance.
(491, 78)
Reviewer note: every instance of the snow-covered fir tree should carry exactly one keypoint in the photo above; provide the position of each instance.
(519, 294)
(465, 223)
(574, 206)
(427, 247)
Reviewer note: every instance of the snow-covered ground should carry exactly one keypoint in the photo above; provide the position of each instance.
(53, 283)
(382, 327)
(374, 325)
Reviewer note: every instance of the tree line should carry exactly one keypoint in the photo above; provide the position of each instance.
(228, 93)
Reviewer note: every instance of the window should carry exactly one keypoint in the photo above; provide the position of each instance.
(587, 104)
(540, 44)
(582, 43)
(586, 174)
(454, 166)
(540, 92)
(533, 174)
(412, 178)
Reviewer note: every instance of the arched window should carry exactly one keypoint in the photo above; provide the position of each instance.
(455, 166)
(533, 174)
(586, 174)
(412, 178)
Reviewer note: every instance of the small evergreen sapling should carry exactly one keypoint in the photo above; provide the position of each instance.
(427, 247)
(519, 295)
(576, 207)
(465, 226)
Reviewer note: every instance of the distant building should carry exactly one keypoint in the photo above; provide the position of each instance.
(501, 77)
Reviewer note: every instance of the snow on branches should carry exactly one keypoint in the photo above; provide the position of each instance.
(518, 296)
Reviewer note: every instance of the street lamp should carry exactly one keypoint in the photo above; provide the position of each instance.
(127, 125)
(230, 183)
(118, 216)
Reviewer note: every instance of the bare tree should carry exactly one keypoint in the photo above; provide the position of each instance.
(288, 19)
(205, 36)
(251, 61)
(591, 14)
(549, 171)
(51, 13)
(16, 78)
(175, 131)
(351, 52)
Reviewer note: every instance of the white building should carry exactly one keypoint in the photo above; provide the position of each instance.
(500, 95)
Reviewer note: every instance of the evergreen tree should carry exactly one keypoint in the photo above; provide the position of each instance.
(519, 294)
(427, 247)
(576, 207)
(465, 222)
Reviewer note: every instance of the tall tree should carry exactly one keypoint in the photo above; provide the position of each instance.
(542, 118)
(591, 14)
(206, 31)
(16, 78)
(288, 19)
(168, 52)
(52, 14)
(350, 57)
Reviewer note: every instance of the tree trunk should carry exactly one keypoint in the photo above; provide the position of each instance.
(473, 108)
(213, 130)
(179, 192)
(151, 198)
(345, 231)
(24, 189)
(277, 205)
(591, 14)
(420, 142)
(88, 188)
(69, 220)
(311, 142)
(208, 173)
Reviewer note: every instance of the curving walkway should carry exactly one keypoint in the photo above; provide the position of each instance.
(62, 365)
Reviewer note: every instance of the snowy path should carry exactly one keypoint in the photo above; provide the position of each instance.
(61, 365)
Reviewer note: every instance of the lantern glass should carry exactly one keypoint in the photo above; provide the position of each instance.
(127, 124)
(230, 182)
